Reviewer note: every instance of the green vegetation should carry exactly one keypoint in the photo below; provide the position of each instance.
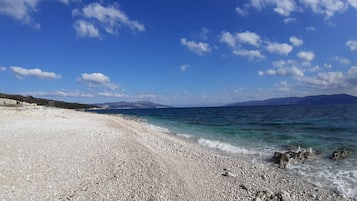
(47, 102)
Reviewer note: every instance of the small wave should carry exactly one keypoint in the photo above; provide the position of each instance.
(184, 135)
(343, 180)
(223, 146)
(156, 128)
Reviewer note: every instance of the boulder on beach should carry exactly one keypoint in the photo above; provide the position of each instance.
(300, 154)
(340, 154)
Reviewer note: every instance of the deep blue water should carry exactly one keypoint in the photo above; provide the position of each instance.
(265, 129)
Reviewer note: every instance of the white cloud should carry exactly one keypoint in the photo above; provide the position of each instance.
(110, 94)
(67, 1)
(2, 68)
(326, 65)
(23, 72)
(326, 80)
(353, 3)
(286, 71)
(97, 79)
(326, 7)
(279, 48)
(282, 7)
(283, 86)
(307, 56)
(110, 18)
(23, 10)
(284, 68)
(352, 44)
(311, 28)
(342, 60)
(199, 48)
(295, 41)
(71, 94)
(285, 7)
(249, 38)
(86, 29)
(246, 37)
(251, 54)
(242, 11)
(289, 20)
(184, 67)
(19, 9)
(228, 38)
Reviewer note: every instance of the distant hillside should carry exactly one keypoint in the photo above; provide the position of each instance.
(46, 102)
(131, 105)
(308, 100)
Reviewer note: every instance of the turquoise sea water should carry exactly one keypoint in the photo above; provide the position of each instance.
(262, 130)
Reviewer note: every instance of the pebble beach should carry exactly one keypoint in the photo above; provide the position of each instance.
(59, 154)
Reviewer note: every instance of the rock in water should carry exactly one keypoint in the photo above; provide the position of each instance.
(300, 154)
(339, 154)
(281, 158)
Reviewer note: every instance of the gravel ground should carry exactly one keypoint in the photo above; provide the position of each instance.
(56, 154)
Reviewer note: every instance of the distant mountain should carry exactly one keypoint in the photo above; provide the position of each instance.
(131, 105)
(308, 100)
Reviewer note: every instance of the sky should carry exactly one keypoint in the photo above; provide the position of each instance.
(178, 52)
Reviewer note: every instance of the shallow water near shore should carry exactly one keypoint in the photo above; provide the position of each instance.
(260, 131)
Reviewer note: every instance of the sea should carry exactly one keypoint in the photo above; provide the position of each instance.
(259, 131)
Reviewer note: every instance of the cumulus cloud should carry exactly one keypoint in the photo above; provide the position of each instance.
(352, 44)
(343, 60)
(326, 80)
(86, 29)
(306, 56)
(286, 71)
(97, 79)
(283, 86)
(199, 48)
(289, 20)
(285, 8)
(327, 8)
(279, 48)
(251, 54)
(242, 11)
(184, 67)
(282, 7)
(112, 94)
(228, 39)
(246, 37)
(21, 10)
(2, 68)
(353, 3)
(249, 38)
(284, 68)
(110, 18)
(332, 80)
(296, 41)
(20, 73)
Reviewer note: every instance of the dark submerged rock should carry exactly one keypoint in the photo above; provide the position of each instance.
(300, 154)
(340, 154)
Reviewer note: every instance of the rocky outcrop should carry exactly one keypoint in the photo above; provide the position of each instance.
(300, 154)
(340, 154)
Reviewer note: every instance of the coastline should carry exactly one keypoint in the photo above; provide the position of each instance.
(58, 154)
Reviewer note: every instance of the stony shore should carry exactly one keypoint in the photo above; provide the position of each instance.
(56, 154)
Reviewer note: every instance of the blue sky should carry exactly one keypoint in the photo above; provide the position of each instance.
(179, 52)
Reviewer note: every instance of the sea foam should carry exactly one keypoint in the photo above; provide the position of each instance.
(223, 146)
